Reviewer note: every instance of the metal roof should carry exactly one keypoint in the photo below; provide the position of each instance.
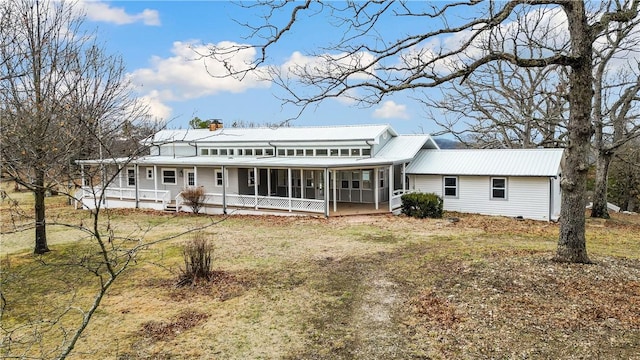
(277, 134)
(399, 149)
(500, 162)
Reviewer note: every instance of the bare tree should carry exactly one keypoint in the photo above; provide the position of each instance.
(625, 173)
(504, 106)
(442, 45)
(616, 112)
(61, 97)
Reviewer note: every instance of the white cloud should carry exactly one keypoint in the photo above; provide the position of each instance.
(186, 75)
(328, 65)
(391, 110)
(158, 111)
(99, 11)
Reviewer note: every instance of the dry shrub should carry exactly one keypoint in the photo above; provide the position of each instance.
(195, 198)
(197, 254)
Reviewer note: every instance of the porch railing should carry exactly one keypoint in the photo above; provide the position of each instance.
(161, 196)
(260, 202)
(396, 199)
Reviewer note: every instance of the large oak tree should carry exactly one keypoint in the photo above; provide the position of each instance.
(446, 41)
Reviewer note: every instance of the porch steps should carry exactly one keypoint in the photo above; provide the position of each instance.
(170, 208)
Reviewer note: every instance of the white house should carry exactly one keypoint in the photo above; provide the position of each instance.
(510, 182)
(326, 170)
(254, 170)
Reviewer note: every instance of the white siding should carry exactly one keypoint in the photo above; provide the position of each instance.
(526, 196)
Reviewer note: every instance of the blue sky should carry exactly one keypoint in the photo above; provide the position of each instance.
(157, 38)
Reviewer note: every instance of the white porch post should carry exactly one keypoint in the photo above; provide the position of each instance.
(120, 178)
(335, 191)
(326, 192)
(255, 186)
(136, 178)
(376, 187)
(289, 181)
(268, 181)
(302, 184)
(404, 177)
(155, 181)
(195, 176)
(224, 191)
(391, 186)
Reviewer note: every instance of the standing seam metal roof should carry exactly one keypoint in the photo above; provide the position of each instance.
(488, 162)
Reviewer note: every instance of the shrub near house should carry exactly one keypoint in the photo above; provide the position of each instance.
(421, 205)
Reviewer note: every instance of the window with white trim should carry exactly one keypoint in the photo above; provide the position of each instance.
(131, 177)
(191, 178)
(450, 186)
(169, 177)
(218, 177)
(498, 188)
(150, 173)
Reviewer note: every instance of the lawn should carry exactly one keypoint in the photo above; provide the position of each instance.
(361, 287)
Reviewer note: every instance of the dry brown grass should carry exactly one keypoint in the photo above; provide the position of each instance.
(364, 287)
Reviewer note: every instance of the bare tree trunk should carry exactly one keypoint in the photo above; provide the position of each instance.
(599, 208)
(571, 243)
(41, 229)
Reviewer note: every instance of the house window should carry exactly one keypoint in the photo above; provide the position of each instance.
(282, 177)
(355, 180)
(321, 152)
(334, 152)
(499, 188)
(150, 173)
(366, 152)
(191, 178)
(268, 152)
(299, 152)
(309, 178)
(344, 152)
(381, 177)
(213, 151)
(223, 152)
(204, 151)
(131, 177)
(290, 152)
(355, 152)
(344, 179)
(366, 179)
(218, 177)
(280, 152)
(450, 186)
(251, 176)
(308, 152)
(258, 152)
(169, 177)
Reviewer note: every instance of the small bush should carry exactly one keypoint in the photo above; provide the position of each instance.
(197, 255)
(194, 197)
(421, 205)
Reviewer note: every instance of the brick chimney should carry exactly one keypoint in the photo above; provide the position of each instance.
(215, 125)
